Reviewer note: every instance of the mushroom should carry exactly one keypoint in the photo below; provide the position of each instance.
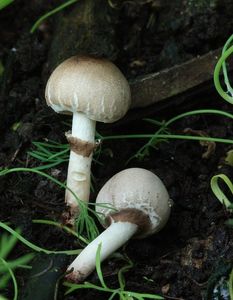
(92, 89)
(141, 207)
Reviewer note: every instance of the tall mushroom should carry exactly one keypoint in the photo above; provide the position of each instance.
(142, 207)
(92, 89)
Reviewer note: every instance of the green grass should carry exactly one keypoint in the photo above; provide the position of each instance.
(120, 292)
(163, 133)
(221, 66)
(7, 243)
(228, 96)
(33, 246)
(5, 3)
(219, 194)
(52, 154)
(80, 238)
(51, 13)
(84, 223)
(7, 267)
(224, 67)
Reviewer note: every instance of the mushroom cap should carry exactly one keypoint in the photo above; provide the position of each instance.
(139, 189)
(94, 86)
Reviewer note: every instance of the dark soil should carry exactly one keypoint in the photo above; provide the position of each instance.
(181, 260)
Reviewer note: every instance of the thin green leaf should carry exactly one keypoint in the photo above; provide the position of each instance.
(88, 222)
(33, 246)
(214, 183)
(4, 279)
(48, 166)
(217, 71)
(17, 262)
(12, 277)
(98, 267)
(100, 276)
(59, 225)
(224, 68)
(50, 13)
(8, 243)
(143, 295)
(5, 3)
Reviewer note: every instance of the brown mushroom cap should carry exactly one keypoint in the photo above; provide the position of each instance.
(90, 85)
(136, 190)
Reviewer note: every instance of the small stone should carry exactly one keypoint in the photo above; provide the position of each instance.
(166, 288)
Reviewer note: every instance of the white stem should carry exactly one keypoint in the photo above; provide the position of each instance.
(79, 169)
(115, 236)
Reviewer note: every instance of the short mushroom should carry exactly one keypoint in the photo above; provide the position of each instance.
(92, 89)
(141, 207)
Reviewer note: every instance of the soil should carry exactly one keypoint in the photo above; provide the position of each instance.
(184, 260)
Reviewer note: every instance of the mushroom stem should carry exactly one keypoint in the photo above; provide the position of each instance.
(115, 236)
(82, 141)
